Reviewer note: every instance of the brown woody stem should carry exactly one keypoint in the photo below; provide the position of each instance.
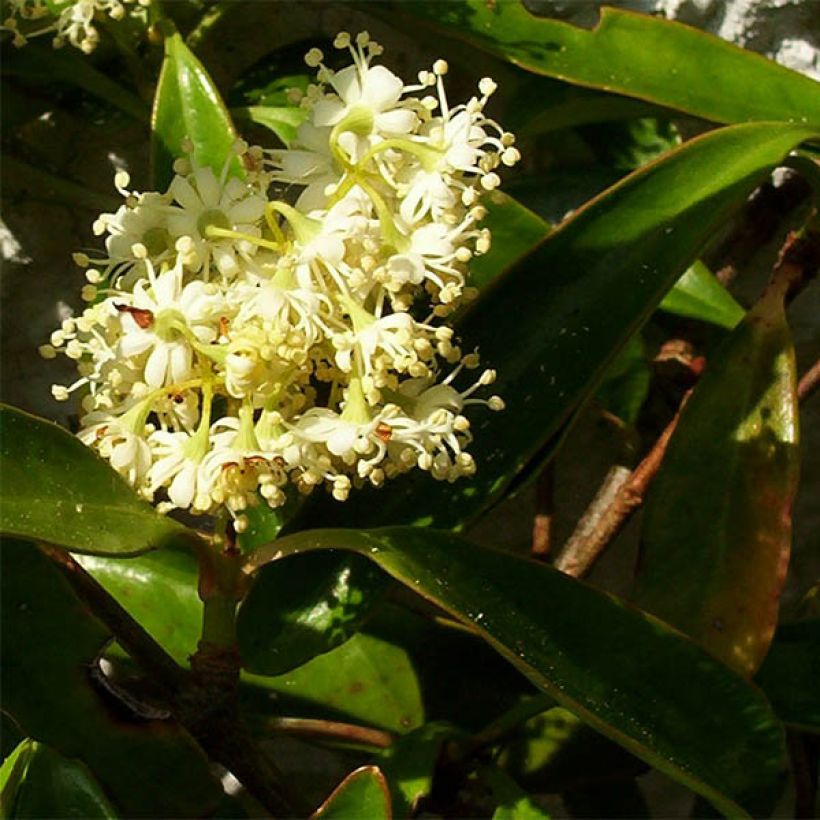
(621, 494)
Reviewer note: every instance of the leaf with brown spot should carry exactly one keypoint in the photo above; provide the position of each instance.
(717, 526)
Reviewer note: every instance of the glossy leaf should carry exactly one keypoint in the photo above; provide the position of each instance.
(717, 523)
(39, 782)
(56, 489)
(513, 802)
(282, 120)
(159, 590)
(624, 673)
(515, 231)
(369, 679)
(637, 55)
(365, 680)
(296, 612)
(362, 794)
(188, 105)
(50, 644)
(699, 295)
(790, 673)
(410, 763)
(552, 324)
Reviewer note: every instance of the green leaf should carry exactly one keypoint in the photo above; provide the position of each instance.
(50, 645)
(513, 802)
(637, 55)
(362, 794)
(370, 678)
(282, 120)
(790, 673)
(366, 680)
(293, 613)
(717, 523)
(410, 763)
(515, 230)
(699, 295)
(556, 752)
(38, 782)
(187, 104)
(623, 672)
(159, 590)
(552, 324)
(56, 489)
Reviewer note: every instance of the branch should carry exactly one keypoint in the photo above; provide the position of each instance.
(153, 659)
(331, 729)
(621, 494)
(809, 382)
(205, 701)
(544, 512)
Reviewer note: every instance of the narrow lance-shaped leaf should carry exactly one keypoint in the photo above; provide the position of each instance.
(56, 489)
(551, 325)
(361, 794)
(659, 61)
(717, 524)
(628, 675)
(188, 105)
(50, 645)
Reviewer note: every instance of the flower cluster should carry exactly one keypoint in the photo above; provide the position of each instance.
(236, 342)
(71, 21)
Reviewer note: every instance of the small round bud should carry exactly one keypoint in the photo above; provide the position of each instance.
(81, 259)
(495, 403)
(121, 180)
(440, 68)
(47, 351)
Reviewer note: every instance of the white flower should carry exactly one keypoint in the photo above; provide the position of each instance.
(163, 317)
(205, 202)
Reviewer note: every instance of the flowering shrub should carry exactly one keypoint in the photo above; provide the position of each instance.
(333, 395)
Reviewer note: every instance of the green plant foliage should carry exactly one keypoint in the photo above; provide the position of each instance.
(410, 762)
(36, 781)
(599, 276)
(297, 612)
(631, 54)
(636, 681)
(187, 105)
(362, 793)
(699, 295)
(790, 672)
(717, 526)
(51, 644)
(88, 508)
(513, 802)
(283, 121)
(160, 592)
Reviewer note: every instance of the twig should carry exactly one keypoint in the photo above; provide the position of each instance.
(798, 261)
(809, 382)
(162, 668)
(204, 701)
(324, 729)
(544, 512)
(621, 494)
